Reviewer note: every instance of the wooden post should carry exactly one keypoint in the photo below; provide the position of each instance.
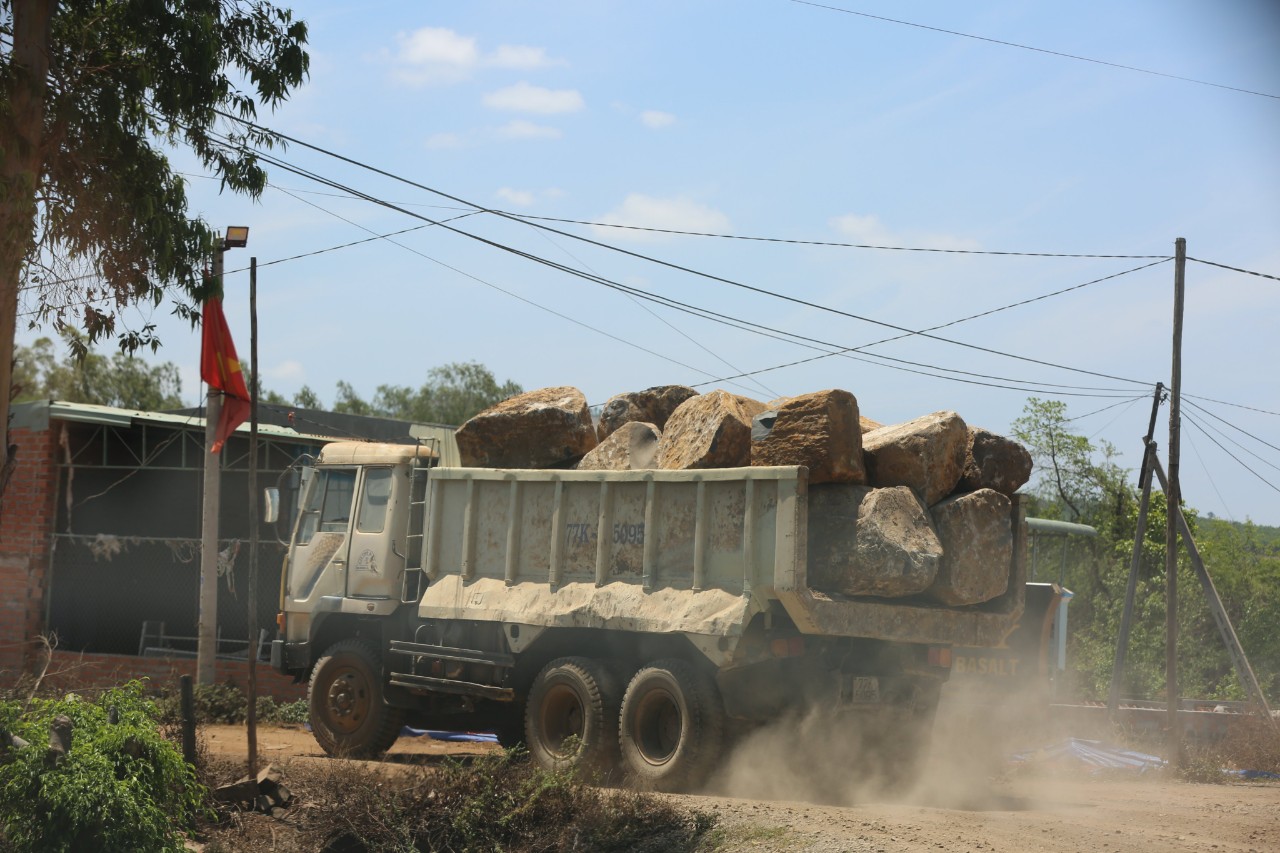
(251, 713)
(188, 720)
(1173, 496)
(1140, 531)
(1244, 672)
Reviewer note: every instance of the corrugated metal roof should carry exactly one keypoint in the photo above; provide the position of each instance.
(37, 415)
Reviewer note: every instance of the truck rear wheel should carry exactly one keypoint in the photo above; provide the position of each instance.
(348, 715)
(672, 726)
(571, 718)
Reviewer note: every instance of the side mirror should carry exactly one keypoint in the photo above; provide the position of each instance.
(270, 505)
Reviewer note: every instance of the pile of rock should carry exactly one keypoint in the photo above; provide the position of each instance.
(917, 508)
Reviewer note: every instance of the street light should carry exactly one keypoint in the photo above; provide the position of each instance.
(237, 237)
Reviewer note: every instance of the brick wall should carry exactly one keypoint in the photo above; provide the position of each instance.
(70, 671)
(26, 527)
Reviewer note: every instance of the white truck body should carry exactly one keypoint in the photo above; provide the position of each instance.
(466, 582)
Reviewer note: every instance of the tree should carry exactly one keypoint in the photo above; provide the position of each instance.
(1082, 482)
(121, 380)
(91, 93)
(451, 395)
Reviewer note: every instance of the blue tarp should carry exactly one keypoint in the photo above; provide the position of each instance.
(1093, 754)
(465, 737)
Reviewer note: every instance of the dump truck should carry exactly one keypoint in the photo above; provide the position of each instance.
(631, 622)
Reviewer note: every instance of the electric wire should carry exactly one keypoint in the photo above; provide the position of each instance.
(1232, 405)
(1236, 269)
(1209, 476)
(1241, 463)
(1225, 437)
(640, 304)
(1233, 426)
(668, 264)
(1117, 417)
(827, 243)
(513, 295)
(706, 313)
(1036, 49)
(1130, 401)
(1044, 388)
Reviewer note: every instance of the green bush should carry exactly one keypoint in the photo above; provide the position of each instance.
(121, 787)
(226, 704)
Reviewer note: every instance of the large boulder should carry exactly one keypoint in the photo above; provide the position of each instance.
(709, 431)
(652, 406)
(865, 541)
(926, 454)
(818, 430)
(867, 425)
(546, 428)
(976, 531)
(632, 447)
(994, 462)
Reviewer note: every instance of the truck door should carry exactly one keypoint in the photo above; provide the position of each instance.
(319, 559)
(374, 571)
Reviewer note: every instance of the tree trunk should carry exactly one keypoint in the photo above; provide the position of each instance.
(21, 133)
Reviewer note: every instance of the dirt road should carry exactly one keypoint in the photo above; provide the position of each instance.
(1060, 813)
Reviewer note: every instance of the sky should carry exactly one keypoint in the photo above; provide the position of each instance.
(820, 128)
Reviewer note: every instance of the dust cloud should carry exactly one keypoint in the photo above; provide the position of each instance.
(846, 759)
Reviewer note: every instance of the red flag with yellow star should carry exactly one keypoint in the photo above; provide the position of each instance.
(220, 368)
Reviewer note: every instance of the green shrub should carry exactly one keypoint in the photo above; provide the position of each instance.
(226, 704)
(121, 787)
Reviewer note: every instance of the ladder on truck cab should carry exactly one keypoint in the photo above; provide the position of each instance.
(415, 535)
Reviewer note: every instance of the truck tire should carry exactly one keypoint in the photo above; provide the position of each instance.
(348, 715)
(672, 726)
(571, 716)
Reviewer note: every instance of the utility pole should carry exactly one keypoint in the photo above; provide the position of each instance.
(1173, 496)
(251, 717)
(207, 633)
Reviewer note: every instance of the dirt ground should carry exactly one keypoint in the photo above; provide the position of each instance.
(1012, 811)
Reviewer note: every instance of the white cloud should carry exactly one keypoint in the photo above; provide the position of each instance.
(441, 141)
(524, 129)
(870, 230)
(434, 55)
(657, 118)
(524, 97)
(520, 198)
(677, 214)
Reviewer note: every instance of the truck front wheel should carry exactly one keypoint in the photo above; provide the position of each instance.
(571, 718)
(672, 726)
(348, 716)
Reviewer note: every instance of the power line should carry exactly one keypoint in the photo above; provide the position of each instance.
(1233, 426)
(511, 294)
(1037, 49)
(1232, 455)
(1232, 405)
(1129, 401)
(706, 313)
(828, 243)
(1228, 438)
(1236, 269)
(668, 264)
(640, 304)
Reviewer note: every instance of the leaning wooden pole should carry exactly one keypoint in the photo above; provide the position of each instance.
(1173, 497)
(1244, 671)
